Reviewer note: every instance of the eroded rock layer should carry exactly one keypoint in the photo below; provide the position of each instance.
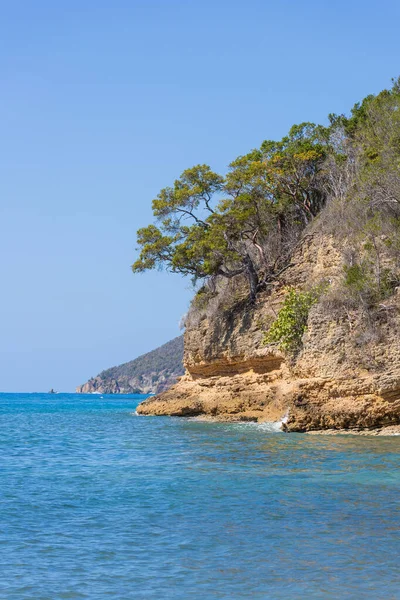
(345, 377)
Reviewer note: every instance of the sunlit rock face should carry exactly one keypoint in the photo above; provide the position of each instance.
(336, 381)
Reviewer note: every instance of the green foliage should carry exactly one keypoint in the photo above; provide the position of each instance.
(356, 277)
(247, 222)
(209, 225)
(288, 328)
(190, 238)
(295, 168)
(359, 286)
(363, 286)
(388, 282)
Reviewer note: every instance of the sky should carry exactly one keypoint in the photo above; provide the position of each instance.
(102, 105)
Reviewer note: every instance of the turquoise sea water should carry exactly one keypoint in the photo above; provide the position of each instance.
(99, 503)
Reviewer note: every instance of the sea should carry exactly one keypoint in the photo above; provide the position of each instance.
(99, 503)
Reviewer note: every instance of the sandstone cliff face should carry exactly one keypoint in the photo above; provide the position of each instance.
(342, 378)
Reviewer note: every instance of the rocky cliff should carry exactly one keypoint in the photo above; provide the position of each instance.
(153, 372)
(345, 376)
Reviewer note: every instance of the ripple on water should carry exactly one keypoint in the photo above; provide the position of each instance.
(97, 503)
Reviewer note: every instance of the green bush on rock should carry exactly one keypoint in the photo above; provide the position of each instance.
(288, 328)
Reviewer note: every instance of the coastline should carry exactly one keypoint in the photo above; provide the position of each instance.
(387, 431)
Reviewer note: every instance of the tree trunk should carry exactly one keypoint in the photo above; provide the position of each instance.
(252, 277)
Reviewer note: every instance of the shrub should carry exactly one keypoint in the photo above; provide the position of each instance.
(365, 286)
(288, 328)
(355, 276)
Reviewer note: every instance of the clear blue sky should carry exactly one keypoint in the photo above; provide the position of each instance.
(102, 104)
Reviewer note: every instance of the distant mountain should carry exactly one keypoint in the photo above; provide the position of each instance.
(153, 372)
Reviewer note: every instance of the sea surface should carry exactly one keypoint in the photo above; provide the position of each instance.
(99, 503)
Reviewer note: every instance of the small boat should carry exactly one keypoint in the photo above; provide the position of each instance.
(52, 391)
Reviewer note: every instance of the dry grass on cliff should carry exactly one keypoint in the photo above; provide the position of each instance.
(216, 298)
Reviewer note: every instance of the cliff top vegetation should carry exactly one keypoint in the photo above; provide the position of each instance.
(247, 223)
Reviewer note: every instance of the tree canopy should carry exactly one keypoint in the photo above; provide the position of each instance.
(243, 223)
(247, 221)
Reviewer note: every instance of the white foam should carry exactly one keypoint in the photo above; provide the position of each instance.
(275, 426)
(267, 426)
(284, 419)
